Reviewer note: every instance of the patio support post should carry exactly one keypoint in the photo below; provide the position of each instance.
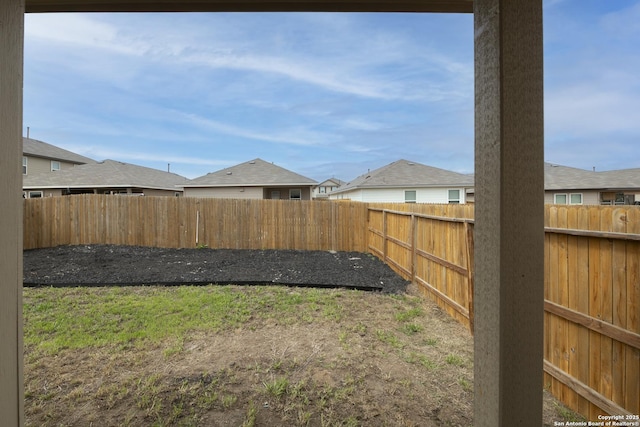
(11, 58)
(509, 214)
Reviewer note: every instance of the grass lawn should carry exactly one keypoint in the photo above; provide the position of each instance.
(245, 356)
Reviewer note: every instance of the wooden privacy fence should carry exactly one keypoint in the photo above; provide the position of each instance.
(592, 308)
(592, 290)
(185, 222)
(431, 246)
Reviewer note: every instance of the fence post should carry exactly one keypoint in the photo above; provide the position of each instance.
(470, 255)
(413, 247)
(384, 236)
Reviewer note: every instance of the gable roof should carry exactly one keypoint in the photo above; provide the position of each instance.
(558, 177)
(405, 173)
(331, 182)
(254, 173)
(35, 148)
(108, 173)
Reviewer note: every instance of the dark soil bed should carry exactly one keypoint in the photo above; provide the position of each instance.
(95, 265)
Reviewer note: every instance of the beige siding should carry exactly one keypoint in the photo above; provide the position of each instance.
(245, 192)
(590, 197)
(305, 193)
(225, 192)
(46, 192)
(37, 165)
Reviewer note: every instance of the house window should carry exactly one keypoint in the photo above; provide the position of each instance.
(35, 194)
(55, 166)
(323, 190)
(24, 165)
(409, 196)
(295, 194)
(275, 194)
(575, 199)
(560, 199)
(454, 196)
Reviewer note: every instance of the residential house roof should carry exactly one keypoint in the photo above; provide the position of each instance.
(254, 173)
(558, 177)
(108, 173)
(35, 148)
(405, 173)
(332, 182)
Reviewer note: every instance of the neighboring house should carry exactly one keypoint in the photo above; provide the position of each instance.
(39, 157)
(106, 177)
(255, 179)
(322, 190)
(572, 186)
(409, 182)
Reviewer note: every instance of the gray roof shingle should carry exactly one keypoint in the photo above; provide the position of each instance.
(557, 177)
(35, 148)
(108, 173)
(405, 173)
(255, 172)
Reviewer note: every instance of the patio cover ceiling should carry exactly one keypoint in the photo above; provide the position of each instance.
(458, 6)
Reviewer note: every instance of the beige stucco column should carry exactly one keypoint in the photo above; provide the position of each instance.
(509, 253)
(11, 54)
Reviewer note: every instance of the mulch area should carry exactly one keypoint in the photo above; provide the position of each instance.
(104, 265)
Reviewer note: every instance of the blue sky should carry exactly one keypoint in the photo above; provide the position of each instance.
(320, 94)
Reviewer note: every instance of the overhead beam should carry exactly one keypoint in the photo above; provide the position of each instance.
(438, 6)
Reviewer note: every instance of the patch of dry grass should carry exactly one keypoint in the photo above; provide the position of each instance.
(247, 356)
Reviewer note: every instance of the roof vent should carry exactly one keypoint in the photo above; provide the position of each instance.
(411, 163)
(229, 173)
(252, 162)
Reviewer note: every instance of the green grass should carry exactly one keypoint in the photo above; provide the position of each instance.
(278, 387)
(454, 360)
(73, 318)
(407, 315)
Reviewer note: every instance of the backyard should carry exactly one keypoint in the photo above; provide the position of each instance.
(245, 356)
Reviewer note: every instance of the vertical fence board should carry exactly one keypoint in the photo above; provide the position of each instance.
(606, 305)
(619, 305)
(594, 309)
(582, 298)
(553, 295)
(562, 325)
(632, 355)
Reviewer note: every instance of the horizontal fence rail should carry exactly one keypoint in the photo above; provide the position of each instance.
(592, 265)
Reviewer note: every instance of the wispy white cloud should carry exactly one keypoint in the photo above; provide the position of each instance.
(78, 30)
(294, 136)
(317, 91)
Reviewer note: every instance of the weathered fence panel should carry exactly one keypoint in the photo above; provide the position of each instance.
(592, 290)
(191, 222)
(428, 245)
(592, 308)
